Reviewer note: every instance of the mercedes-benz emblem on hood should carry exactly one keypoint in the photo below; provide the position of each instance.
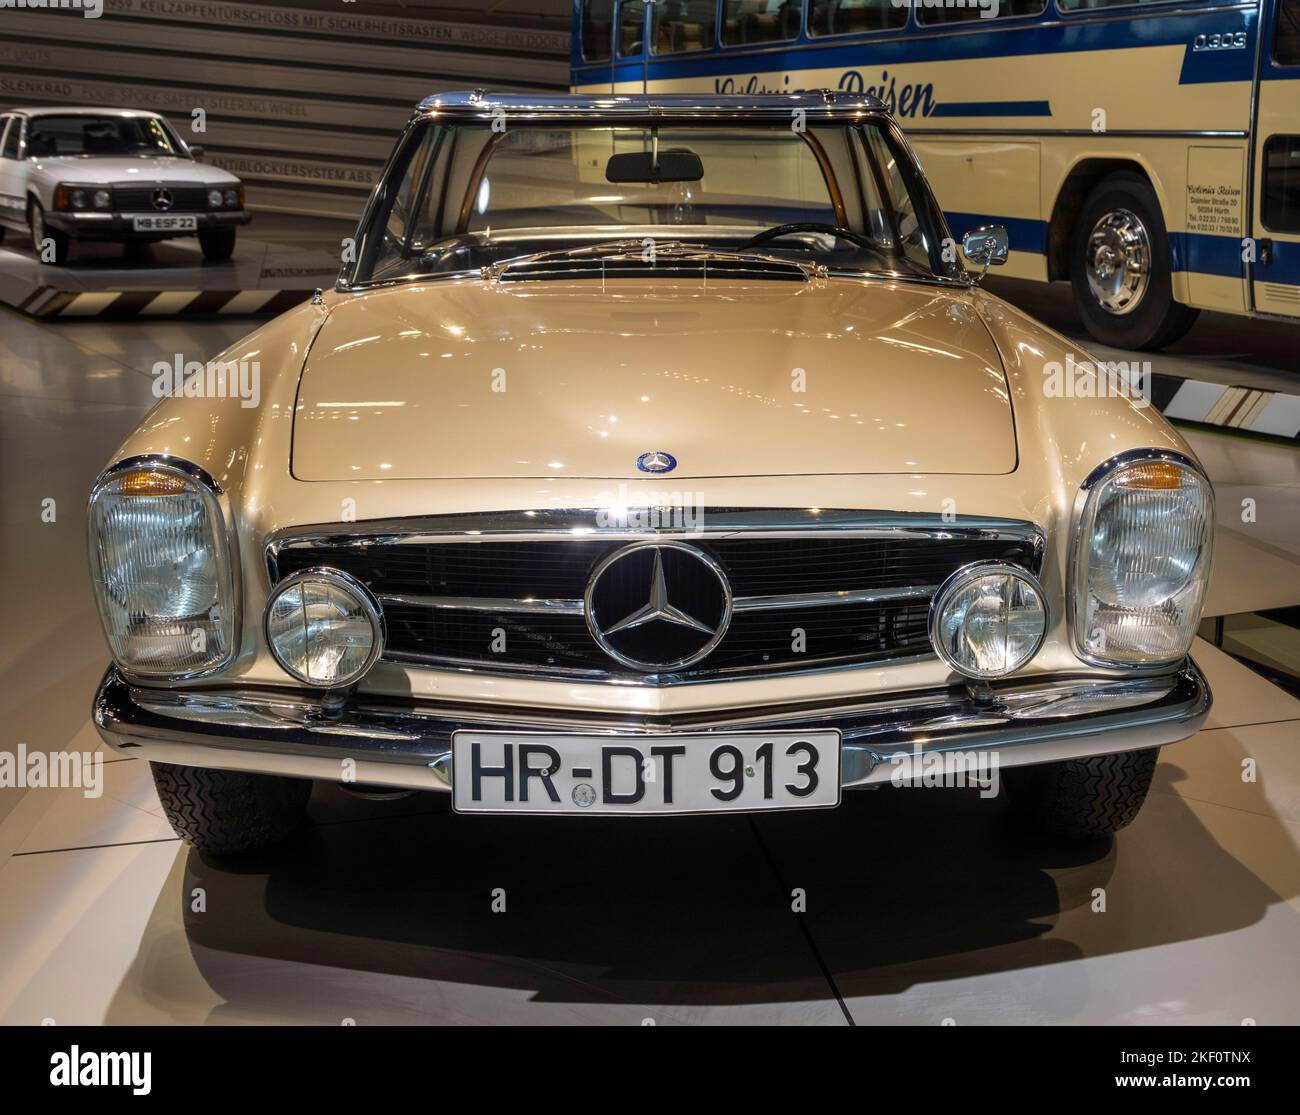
(656, 461)
(162, 198)
(658, 605)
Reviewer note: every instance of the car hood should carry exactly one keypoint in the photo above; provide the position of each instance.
(478, 379)
(99, 170)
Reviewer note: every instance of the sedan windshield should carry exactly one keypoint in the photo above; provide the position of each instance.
(84, 134)
(462, 196)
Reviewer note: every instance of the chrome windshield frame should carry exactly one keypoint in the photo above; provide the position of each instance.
(478, 106)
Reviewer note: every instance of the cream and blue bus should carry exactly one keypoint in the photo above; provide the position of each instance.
(1148, 151)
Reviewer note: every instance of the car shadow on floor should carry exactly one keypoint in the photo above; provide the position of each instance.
(900, 886)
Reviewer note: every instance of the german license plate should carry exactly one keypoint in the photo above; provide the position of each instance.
(165, 223)
(505, 772)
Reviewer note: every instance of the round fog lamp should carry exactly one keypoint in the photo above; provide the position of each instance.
(988, 619)
(324, 627)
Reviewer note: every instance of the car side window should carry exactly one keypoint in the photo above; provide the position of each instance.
(900, 199)
(11, 136)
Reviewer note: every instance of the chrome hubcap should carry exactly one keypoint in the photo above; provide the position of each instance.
(1118, 262)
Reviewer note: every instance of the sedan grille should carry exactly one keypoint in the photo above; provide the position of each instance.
(852, 591)
(139, 199)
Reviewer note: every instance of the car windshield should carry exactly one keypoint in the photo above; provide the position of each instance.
(460, 196)
(83, 134)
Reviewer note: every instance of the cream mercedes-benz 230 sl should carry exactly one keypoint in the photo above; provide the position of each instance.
(654, 455)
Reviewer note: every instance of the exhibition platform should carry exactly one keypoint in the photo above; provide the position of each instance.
(277, 263)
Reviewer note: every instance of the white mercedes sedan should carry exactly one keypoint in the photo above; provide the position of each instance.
(110, 174)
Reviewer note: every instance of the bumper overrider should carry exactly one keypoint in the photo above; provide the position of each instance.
(407, 745)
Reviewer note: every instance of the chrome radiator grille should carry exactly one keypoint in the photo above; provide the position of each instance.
(807, 590)
(139, 199)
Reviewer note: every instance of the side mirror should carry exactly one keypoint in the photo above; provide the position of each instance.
(196, 151)
(987, 245)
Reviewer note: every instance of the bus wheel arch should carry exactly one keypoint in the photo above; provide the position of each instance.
(1114, 249)
(1082, 178)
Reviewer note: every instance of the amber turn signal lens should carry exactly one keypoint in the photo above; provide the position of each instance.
(1153, 476)
(61, 200)
(144, 482)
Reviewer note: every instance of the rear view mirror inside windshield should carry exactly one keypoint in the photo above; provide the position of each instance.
(676, 164)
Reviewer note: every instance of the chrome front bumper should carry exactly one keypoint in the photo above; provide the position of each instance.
(408, 745)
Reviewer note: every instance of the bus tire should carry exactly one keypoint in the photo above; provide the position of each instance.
(1120, 267)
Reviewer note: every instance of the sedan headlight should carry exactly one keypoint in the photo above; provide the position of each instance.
(1141, 561)
(161, 569)
(214, 199)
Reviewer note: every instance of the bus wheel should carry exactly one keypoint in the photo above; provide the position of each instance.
(1119, 267)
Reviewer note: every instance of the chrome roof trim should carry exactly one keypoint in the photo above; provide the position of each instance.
(480, 104)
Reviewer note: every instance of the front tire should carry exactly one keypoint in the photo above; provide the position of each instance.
(218, 244)
(42, 232)
(1082, 799)
(1120, 267)
(228, 812)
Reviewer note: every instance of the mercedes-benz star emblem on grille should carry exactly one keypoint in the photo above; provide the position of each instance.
(162, 198)
(658, 605)
(656, 461)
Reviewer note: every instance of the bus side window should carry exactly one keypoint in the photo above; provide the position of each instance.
(597, 29)
(760, 21)
(1286, 36)
(1280, 199)
(847, 17)
(682, 25)
(631, 25)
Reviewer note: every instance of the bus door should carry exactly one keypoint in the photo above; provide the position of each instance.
(1275, 209)
(631, 39)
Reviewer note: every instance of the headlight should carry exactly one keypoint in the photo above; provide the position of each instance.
(161, 569)
(103, 199)
(214, 199)
(988, 619)
(324, 627)
(1141, 560)
(78, 199)
(232, 198)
